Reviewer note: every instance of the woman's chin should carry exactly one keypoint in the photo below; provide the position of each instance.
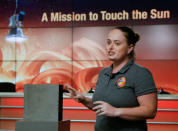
(111, 59)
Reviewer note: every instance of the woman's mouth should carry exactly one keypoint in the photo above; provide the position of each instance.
(110, 53)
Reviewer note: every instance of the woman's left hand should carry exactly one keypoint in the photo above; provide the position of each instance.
(103, 108)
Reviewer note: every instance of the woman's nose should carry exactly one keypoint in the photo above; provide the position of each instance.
(111, 46)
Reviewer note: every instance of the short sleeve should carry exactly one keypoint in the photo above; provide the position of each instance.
(144, 82)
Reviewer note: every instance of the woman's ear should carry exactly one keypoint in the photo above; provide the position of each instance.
(131, 48)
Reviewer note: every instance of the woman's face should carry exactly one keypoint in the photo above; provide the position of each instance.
(117, 47)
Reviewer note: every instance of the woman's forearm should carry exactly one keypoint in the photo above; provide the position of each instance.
(135, 113)
(146, 109)
(86, 101)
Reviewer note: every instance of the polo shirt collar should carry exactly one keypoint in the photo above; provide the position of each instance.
(127, 66)
(123, 69)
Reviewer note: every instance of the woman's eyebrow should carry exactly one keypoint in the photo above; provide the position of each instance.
(114, 40)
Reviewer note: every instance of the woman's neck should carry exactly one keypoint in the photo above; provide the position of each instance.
(117, 65)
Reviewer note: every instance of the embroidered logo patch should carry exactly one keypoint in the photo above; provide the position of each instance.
(121, 82)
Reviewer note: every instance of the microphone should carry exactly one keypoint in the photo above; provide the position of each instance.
(111, 76)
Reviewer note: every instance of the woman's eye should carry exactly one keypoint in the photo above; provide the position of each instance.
(117, 43)
(108, 42)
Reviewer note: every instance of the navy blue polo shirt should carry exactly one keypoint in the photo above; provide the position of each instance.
(121, 90)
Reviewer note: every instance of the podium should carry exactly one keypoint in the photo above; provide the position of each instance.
(43, 105)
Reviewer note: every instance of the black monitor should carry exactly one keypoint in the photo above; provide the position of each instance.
(60, 114)
(7, 87)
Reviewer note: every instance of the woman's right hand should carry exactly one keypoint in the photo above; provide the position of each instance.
(74, 94)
